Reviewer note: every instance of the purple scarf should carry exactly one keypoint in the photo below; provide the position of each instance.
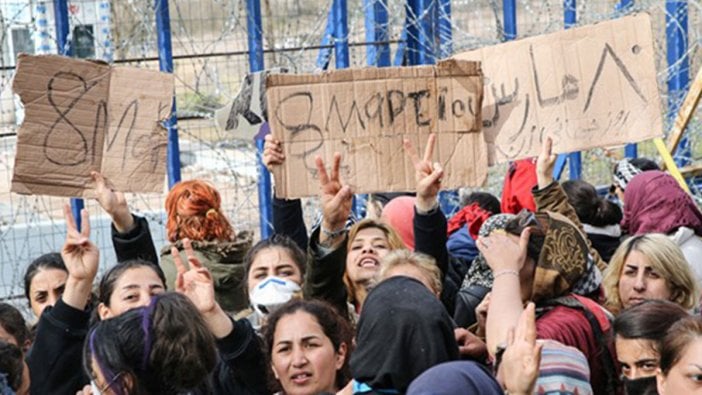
(655, 203)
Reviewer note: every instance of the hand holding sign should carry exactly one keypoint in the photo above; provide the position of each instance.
(545, 164)
(272, 153)
(427, 175)
(113, 202)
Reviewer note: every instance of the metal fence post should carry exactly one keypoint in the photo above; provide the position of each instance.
(574, 158)
(678, 62)
(622, 8)
(376, 21)
(255, 41)
(341, 34)
(165, 64)
(64, 48)
(445, 29)
(421, 41)
(509, 14)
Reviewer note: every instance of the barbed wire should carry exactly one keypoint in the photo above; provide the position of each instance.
(210, 50)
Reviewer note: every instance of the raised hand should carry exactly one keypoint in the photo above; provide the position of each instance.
(197, 285)
(336, 197)
(502, 253)
(79, 254)
(427, 174)
(522, 357)
(545, 164)
(81, 258)
(113, 202)
(272, 152)
(196, 282)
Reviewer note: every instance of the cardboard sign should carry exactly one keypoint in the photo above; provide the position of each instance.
(365, 114)
(587, 87)
(82, 116)
(244, 116)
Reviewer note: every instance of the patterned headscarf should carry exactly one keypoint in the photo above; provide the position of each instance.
(624, 171)
(564, 259)
(564, 265)
(479, 272)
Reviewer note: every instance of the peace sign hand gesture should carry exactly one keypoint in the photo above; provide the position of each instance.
(79, 254)
(81, 258)
(336, 197)
(196, 283)
(427, 174)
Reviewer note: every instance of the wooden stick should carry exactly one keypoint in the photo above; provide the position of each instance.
(668, 161)
(685, 114)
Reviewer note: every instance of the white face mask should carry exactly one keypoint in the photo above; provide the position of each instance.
(272, 293)
(94, 388)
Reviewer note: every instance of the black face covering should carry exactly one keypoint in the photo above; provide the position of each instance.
(640, 386)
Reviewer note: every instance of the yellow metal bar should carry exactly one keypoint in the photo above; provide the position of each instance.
(670, 163)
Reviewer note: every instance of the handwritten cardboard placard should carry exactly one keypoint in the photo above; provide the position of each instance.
(592, 86)
(82, 116)
(364, 114)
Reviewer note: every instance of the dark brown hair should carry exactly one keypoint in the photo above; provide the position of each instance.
(108, 281)
(680, 336)
(276, 241)
(591, 208)
(13, 323)
(163, 348)
(649, 320)
(336, 328)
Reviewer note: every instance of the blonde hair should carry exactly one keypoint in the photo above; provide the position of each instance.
(425, 264)
(358, 295)
(665, 258)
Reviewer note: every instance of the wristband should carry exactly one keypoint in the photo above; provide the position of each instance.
(503, 272)
(330, 234)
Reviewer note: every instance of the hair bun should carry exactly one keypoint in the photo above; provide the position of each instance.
(211, 214)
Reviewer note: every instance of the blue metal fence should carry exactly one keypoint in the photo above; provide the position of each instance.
(426, 37)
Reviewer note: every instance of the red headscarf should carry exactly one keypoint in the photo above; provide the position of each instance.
(399, 214)
(655, 203)
(473, 215)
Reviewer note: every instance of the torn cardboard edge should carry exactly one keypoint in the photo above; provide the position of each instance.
(352, 111)
(77, 121)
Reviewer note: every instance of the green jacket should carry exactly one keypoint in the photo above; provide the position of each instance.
(225, 260)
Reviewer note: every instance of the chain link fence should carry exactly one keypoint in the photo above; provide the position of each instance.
(210, 53)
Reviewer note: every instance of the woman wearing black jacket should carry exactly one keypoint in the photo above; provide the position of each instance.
(55, 360)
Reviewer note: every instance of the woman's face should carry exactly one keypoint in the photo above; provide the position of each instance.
(364, 254)
(274, 261)
(304, 359)
(134, 288)
(637, 357)
(639, 281)
(45, 289)
(685, 377)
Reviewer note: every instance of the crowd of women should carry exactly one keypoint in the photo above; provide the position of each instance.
(552, 290)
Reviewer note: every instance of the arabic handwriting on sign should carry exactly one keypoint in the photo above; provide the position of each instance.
(569, 84)
(58, 157)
